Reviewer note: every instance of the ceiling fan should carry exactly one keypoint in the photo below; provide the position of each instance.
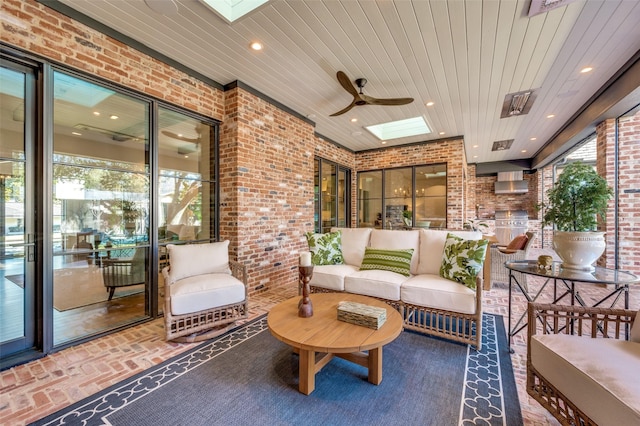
(360, 98)
(180, 137)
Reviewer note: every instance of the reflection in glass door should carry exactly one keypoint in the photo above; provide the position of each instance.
(17, 248)
(101, 200)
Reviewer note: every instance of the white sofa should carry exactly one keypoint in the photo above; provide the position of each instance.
(584, 378)
(427, 302)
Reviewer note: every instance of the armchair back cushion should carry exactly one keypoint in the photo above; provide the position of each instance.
(198, 259)
(518, 243)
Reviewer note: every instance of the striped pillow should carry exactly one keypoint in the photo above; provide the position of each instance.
(398, 261)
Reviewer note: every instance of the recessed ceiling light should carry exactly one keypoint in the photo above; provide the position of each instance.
(113, 117)
(586, 70)
(76, 134)
(524, 150)
(533, 139)
(475, 146)
(256, 45)
(441, 133)
(475, 156)
(96, 113)
(384, 142)
(353, 120)
(430, 103)
(551, 115)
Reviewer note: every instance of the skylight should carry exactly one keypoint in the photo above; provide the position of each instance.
(232, 10)
(400, 129)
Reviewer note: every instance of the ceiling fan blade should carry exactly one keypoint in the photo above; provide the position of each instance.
(180, 138)
(342, 111)
(389, 101)
(347, 84)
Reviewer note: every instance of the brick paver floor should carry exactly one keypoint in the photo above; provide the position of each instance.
(31, 391)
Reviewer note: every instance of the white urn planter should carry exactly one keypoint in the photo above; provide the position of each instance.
(579, 250)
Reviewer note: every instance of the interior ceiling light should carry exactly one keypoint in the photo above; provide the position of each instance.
(551, 115)
(518, 103)
(586, 70)
(256, 45)
(430, 103)
(232, 10)
(502, 145)
(400, 129)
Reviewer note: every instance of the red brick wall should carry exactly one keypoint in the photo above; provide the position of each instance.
(46, 33)
(628, 226)
(450, 152)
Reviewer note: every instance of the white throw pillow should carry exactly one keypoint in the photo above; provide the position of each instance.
(197, 259)
(634, 335)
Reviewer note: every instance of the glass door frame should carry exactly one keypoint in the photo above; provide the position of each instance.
(24, 347)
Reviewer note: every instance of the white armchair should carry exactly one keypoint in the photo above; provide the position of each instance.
(205, 292)
(499, 273)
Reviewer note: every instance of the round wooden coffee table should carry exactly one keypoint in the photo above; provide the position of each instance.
(319, 338)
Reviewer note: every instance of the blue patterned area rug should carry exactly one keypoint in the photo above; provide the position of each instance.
(248, 377)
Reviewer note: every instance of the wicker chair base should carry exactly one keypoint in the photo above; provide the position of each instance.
(464, 328)
(203, 325)
(554, 401)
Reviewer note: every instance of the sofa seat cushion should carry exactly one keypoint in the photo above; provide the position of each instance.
(331, 277)
(436, 292)
(598, 375)
(375, 283)
(202, 292)
(354, 240)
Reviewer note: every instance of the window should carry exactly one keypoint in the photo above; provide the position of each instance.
(332, 196)
(410, 197)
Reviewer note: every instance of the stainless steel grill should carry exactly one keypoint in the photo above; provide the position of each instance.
(510, 223)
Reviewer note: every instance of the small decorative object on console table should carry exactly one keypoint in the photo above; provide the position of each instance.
(305, 309)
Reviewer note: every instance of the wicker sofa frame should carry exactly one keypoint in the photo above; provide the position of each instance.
(456, 326)
(587, 322)
(203, 325)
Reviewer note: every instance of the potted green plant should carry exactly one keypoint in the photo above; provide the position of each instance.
(574, 203)
(407, 216)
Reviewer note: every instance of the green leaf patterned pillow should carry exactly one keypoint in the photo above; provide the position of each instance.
(326, 249)
(462, 259)
(398, 261)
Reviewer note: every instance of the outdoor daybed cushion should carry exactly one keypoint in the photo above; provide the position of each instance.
(201, 278)
(598, 375)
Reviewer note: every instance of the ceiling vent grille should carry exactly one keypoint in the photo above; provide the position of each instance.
(518, 103)
(502, 145)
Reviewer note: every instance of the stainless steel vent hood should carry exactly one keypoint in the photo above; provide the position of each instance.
(511, 183)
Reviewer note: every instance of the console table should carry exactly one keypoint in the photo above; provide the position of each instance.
(566, 279)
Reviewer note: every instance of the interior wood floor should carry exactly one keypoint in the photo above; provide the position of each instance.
(34, 390)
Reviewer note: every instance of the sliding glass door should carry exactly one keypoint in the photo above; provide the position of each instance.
(17, 226)
(101, 199)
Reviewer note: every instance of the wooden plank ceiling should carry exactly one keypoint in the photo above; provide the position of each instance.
(465, 56)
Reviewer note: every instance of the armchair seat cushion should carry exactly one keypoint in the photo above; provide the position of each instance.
(439, 293)
(202, 292)
(597, 375)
